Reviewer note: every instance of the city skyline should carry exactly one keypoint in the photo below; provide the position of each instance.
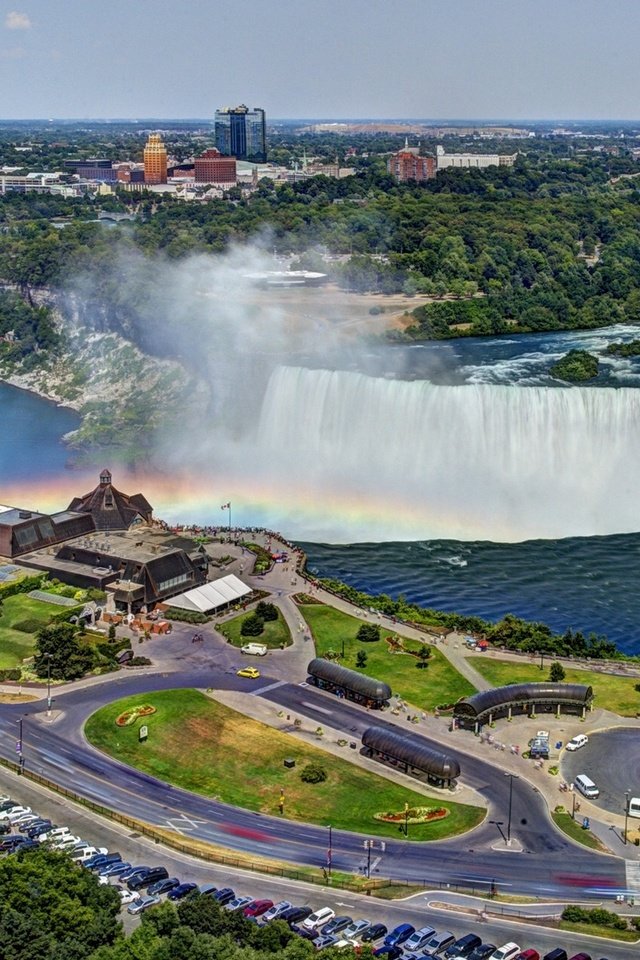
(493, 60)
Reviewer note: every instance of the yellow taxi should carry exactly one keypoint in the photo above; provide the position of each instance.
(249, 672)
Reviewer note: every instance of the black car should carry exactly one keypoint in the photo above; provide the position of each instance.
(375, 932)
(5, 826)
(225, 895)
(295, 915)
(147, 877)
(132, 871)
(463, 947)
(335, 925)
(483, 951)
(12, 842)
(557, 954)
(101, 860)
(163, 886)
(35, 829)
(28, 845)
(6, 805)
(388, 952)
(25, 827)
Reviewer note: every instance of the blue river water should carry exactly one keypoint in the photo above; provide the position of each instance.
(587, 583)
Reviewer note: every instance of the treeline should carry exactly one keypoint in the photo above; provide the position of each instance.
(511, 632)
(28, 334)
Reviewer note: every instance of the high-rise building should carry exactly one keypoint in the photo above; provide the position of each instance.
(212, 167)
(408, 165)
(241, 133)
(155, 160)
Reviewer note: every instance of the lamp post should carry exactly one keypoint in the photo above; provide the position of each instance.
(512, 777)
(329, 852)
(542, 660)
(406, 820)
(626, 813)
(48, 656)
(19, 749)
(573, 811)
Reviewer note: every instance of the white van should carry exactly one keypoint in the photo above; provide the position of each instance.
(580, 740)
(256, 649)
(586, 786)
(634, 806)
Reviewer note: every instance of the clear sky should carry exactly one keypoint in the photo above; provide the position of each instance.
(321, 58)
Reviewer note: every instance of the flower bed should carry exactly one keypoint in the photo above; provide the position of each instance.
(130, 716)
(414, 815)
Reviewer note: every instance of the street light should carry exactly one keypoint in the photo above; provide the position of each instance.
(329, 852)
(512, 777)
(406, 820)
(48, 656)
(626, 813)
(19, 749)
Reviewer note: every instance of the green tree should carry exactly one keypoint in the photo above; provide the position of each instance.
(252, 626)
(267, 611)
(361, 658)
(58, 645)
(368, 633)
(424, 654)
(557, 672)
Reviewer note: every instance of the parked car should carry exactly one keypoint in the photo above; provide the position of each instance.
(147, 877)
(580, 740)
(399, 935)
(295, 915)
(238, 903)
(142, 904)
(225, 895)
(559, 953)
(101, 860)
(321, 942)
(15, 813)
(208, 889)
(56, 833)
(530, 954)
(5, 827)
(375, 932)
(25, 819)
(336, 925)
(118, 870)
(508, 951)
(28, 845)
(464, 946)
(388, 951)
(276, 911)
(440, 942)
(484, 951)
(182, 890)
(581, 956)
(127, 896)
(356, 929)
(318, 918)
(257, 907)
(10, 843)
(254, 649)
(163, 886)
(35, 830)
(131, 872)
(418, 939)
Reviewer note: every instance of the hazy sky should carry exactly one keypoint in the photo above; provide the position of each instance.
(320, 58)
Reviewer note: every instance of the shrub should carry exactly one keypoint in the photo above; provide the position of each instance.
(139, 662)
(252, 626)
(313, 773)
(575, 914)
(185, 616)
(28, 626)
(361, 658)
(267, 611)
(13, 674)
(368, 633)
(556, 673)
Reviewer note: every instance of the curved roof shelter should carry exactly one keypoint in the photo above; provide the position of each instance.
(480, 705)
(412, 750)
(351, 680)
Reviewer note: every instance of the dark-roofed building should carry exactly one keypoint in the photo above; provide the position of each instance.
(22, 531)
(327, 675)
(412, 753)
(530, 698)
(137, 567)
(110, 508)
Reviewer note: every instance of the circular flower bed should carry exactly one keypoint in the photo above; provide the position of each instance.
(130, 716)
(414, 815)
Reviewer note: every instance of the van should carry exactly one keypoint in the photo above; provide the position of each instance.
(586, 786)
(578, 741)
(634, 807)
(255, 649)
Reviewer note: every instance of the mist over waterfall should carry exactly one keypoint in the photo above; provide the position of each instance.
(391, 459)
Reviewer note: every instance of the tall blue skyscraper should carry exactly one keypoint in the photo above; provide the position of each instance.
(241, 133)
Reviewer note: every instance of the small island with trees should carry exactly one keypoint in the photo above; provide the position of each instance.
(576, 366)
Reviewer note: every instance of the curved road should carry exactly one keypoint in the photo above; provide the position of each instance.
(547, 864)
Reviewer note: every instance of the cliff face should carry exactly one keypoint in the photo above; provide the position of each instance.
(123, 395)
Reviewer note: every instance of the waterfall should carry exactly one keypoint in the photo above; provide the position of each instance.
(410, 459)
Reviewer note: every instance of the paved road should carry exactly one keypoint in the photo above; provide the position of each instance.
(548, 863)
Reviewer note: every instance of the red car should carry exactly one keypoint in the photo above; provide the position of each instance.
(257, 908)
(528, 955)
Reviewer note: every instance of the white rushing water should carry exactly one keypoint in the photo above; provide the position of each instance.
(399, 459)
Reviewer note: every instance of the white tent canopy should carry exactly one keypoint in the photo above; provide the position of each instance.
(210, 596)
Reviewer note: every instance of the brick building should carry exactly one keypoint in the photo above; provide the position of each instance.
(212, 167)
(407, 164)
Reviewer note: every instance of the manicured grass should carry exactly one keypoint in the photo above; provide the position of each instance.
(440, 683)
(15, 645)
(205, 747)
(574, 830)
(596, 930)
(276, 633)
(612, 693)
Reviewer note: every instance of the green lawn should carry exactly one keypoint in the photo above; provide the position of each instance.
(612, 693)
(16, 645)
(573, 829)
(276, 633)
(205, 747)
(439, 683)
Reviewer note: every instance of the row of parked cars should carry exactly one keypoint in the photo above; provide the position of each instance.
(142, 886)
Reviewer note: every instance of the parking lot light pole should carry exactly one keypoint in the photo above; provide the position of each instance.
(512, 777)
(626, 813)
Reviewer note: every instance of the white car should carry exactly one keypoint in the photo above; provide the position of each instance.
(127, 896)
(506, 952)
(580, 740)
(56, 834)
(14, 814)
(318, 918)
(66, 842)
